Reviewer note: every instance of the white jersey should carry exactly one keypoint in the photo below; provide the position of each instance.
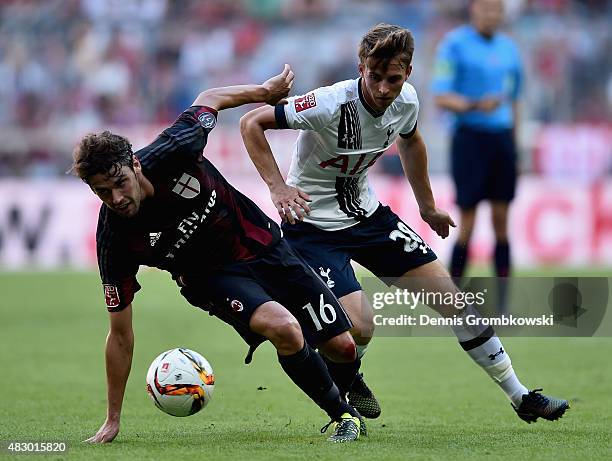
(340, 139)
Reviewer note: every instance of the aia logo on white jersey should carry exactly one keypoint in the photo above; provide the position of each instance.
(305, 102)
(351, 164)
(187, 186)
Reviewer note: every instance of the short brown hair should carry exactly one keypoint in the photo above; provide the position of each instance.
(383, 42)
(102, 153)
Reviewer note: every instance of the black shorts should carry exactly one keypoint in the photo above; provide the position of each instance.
(234, 292)
(483, 166)
(382, 243)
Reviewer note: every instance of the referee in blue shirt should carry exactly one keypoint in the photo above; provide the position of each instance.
(478, 77)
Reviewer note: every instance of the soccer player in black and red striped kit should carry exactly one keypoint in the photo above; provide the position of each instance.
(167, 206)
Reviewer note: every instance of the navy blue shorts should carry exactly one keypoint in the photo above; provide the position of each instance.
(382, 243)
(234, 292)
(483, 165)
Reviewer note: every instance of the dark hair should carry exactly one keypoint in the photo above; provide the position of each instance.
(383, 42)
(104, 153)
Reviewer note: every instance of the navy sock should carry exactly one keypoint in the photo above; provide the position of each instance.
(502, 259)
(343, 374)
(502, 269)
(308, 371)
(458, 260)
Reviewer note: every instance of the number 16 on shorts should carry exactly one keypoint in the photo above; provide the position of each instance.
(326, 313)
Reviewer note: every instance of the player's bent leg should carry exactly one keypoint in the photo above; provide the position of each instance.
(361, 314)
(431, 277)
(277, 324)
(533, 405)
(480, 342)
(302, 363)
(340, 349)
(483, 346)
(340, 356)
(344, 373)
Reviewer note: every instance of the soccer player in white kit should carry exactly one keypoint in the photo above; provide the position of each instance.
(344, 129)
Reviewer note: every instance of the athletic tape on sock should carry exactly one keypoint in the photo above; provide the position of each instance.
(495, 361)
(492, 356)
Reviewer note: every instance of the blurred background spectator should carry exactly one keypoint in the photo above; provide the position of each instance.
(71, 66)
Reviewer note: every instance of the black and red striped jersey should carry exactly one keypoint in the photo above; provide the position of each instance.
(194, 223)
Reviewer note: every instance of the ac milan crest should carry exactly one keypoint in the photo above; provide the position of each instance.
(187, 186)
(236, 305)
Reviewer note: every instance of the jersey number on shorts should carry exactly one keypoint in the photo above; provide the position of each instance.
(410, 238)
(326, 313)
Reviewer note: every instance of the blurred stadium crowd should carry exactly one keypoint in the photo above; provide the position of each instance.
(72, 66)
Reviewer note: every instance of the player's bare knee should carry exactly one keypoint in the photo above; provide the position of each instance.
(367, 329)
(340, 349)
(285, 333)
(361, 314)
(363, 331)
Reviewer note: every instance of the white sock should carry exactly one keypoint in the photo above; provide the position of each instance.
(485, 348)
(493, 359)
(514, 389)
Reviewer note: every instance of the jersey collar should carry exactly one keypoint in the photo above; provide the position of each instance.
(365, 104)
(478, 35)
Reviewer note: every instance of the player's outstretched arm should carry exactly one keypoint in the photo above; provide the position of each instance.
(284, 197)
(119, 351)
(271, 92)
(413, 154)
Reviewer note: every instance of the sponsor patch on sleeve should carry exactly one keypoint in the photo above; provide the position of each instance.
(207, 120)
(307, 101)
(111, 295)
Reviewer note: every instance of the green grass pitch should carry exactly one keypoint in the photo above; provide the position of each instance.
(436, 403)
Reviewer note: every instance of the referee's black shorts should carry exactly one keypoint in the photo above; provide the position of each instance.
(483, 166)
